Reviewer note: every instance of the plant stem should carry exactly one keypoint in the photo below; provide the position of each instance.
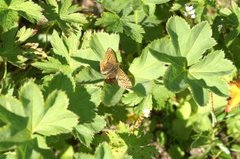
(5, 68)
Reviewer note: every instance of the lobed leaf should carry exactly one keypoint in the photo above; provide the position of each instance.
(103, 151)
(175, 78)
(112, 94)
(101, 41)
(112, 22)
(212, 65)
(88, 75)
(131, 99)
(86, 131)
(188, 43)
(146, 67)
(56, 119)
(32, 100)
(29, 10)
(51, 119)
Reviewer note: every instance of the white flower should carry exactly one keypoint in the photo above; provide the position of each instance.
(193, 16)
(188, 8)
(220, 26)
(190, 11)
(146, 113)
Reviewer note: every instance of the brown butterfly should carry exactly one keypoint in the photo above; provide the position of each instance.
(111, 69)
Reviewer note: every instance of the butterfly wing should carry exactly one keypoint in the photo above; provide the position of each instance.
(123, 80)
(110, 56)
(110, 68)
(109, 63)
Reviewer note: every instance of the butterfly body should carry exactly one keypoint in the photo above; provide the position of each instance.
(111, 69)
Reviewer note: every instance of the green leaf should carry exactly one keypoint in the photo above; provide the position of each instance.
(129, 17)
(200, 94)
(210, 70)
(163, 50)
(181, 130)
(212, 65)
(201, 121)
(85, 131)
(13, 105)
(64, 59)
(160, 98)
(178, 34)
(174, 78)
(131, 99)
(199, 46)
(112, 94)
(88, 75)
(184, 111)
(9, 13)
(111, 21)
(61, 82)
(15, 123)
(63, 14)
(184, 51)
(29, 10)
(10, 50)
(24, 33)
(97, 124)
(87, 57)
(101, 41)
(90, 122)
(130, 145)
(158, 1)
(67, 13)
(188, 43)
(59, 47)
(89, 96)
(56, 118)
(3, 5)
(103, 151)
(84, 134)
(121, 23)
(8, 19)
(146, 67)
(135, 31)
(51, 119)
(8, 155)
(30, 149)
(233, 126)
(52, 65)
(32, 100)
(146, 104)
(72, 43)
(83, 156)
(10, 47)
(117, 6)
(218, 86)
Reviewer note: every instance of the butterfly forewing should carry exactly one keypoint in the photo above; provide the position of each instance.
(123, 80)
(109, 63)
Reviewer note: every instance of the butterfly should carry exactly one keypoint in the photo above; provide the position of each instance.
(111, 69)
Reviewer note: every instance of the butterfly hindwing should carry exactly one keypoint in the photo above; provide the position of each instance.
(123, 80)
